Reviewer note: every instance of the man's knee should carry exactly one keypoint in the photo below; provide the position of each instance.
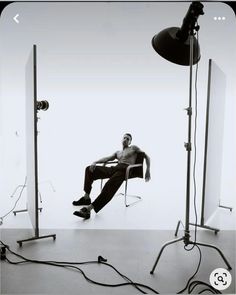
(88, 170)
(113, 182)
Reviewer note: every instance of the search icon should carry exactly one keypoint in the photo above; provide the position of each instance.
(220, 279)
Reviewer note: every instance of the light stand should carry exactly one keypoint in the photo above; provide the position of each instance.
(40, 105)
(32, 108)
(181, 40)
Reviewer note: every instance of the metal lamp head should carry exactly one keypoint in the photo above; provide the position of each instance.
(175, 50)
(174, 43)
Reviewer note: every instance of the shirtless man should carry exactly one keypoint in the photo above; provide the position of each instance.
(116, 174)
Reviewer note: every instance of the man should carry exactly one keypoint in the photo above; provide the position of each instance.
(116, 174)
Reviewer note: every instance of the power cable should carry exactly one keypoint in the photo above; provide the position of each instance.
(198, 266)
(71, 265)
(209, 288)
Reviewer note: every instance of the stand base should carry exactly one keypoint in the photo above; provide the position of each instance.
(20, 242)
(216, 230)
(186, 244)
(25, 210)
(226, 207)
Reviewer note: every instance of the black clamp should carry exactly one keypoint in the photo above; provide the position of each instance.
(189, 111)
(101, 259)
(188, 146)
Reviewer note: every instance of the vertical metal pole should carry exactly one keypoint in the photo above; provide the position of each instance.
(188, 145)
(36, 143)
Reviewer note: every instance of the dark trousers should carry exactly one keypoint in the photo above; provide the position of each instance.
(116, 175)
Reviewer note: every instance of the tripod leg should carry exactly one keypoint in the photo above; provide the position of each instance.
(163, 247)
(177, 228)
(217, 249)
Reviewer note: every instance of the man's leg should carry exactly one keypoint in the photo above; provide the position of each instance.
(109, 190)
(99, 172)
(107, 193)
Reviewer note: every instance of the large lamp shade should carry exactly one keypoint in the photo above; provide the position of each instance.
(175, 50)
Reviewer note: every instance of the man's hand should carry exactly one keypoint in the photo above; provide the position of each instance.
(92, 166)
(147, 175)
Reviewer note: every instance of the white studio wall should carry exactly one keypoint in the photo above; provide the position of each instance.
(97, 69)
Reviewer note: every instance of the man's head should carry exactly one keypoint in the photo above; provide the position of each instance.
(127, 138)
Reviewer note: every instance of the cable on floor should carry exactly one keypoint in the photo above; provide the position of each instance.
(72, 265)
(65, 264)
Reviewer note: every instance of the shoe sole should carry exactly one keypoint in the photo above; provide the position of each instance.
(77, 213)
(81, 204)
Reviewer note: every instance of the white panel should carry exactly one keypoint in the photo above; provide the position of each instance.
(215, 134)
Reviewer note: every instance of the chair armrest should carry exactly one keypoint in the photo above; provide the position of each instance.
(130, 167)
(110, 162)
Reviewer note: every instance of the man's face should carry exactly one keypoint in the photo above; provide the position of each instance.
(126, 140)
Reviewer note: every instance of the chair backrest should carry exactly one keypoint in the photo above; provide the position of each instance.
(138, 171)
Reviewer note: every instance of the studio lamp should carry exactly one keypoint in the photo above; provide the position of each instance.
(174, 44)
(180, 46)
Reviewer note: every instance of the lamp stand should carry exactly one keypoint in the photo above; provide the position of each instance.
(186, 237)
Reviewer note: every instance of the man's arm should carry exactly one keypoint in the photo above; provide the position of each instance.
(105, 159)
(102, 160)
(148, 162)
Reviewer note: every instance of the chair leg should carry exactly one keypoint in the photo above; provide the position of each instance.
(126, 183)
(126, 195)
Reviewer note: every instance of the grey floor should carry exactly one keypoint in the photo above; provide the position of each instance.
(132, 252)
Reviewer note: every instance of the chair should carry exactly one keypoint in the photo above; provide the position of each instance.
(132, 171)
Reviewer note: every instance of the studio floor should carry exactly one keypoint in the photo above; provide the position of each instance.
(129, 238)
(132, 252)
